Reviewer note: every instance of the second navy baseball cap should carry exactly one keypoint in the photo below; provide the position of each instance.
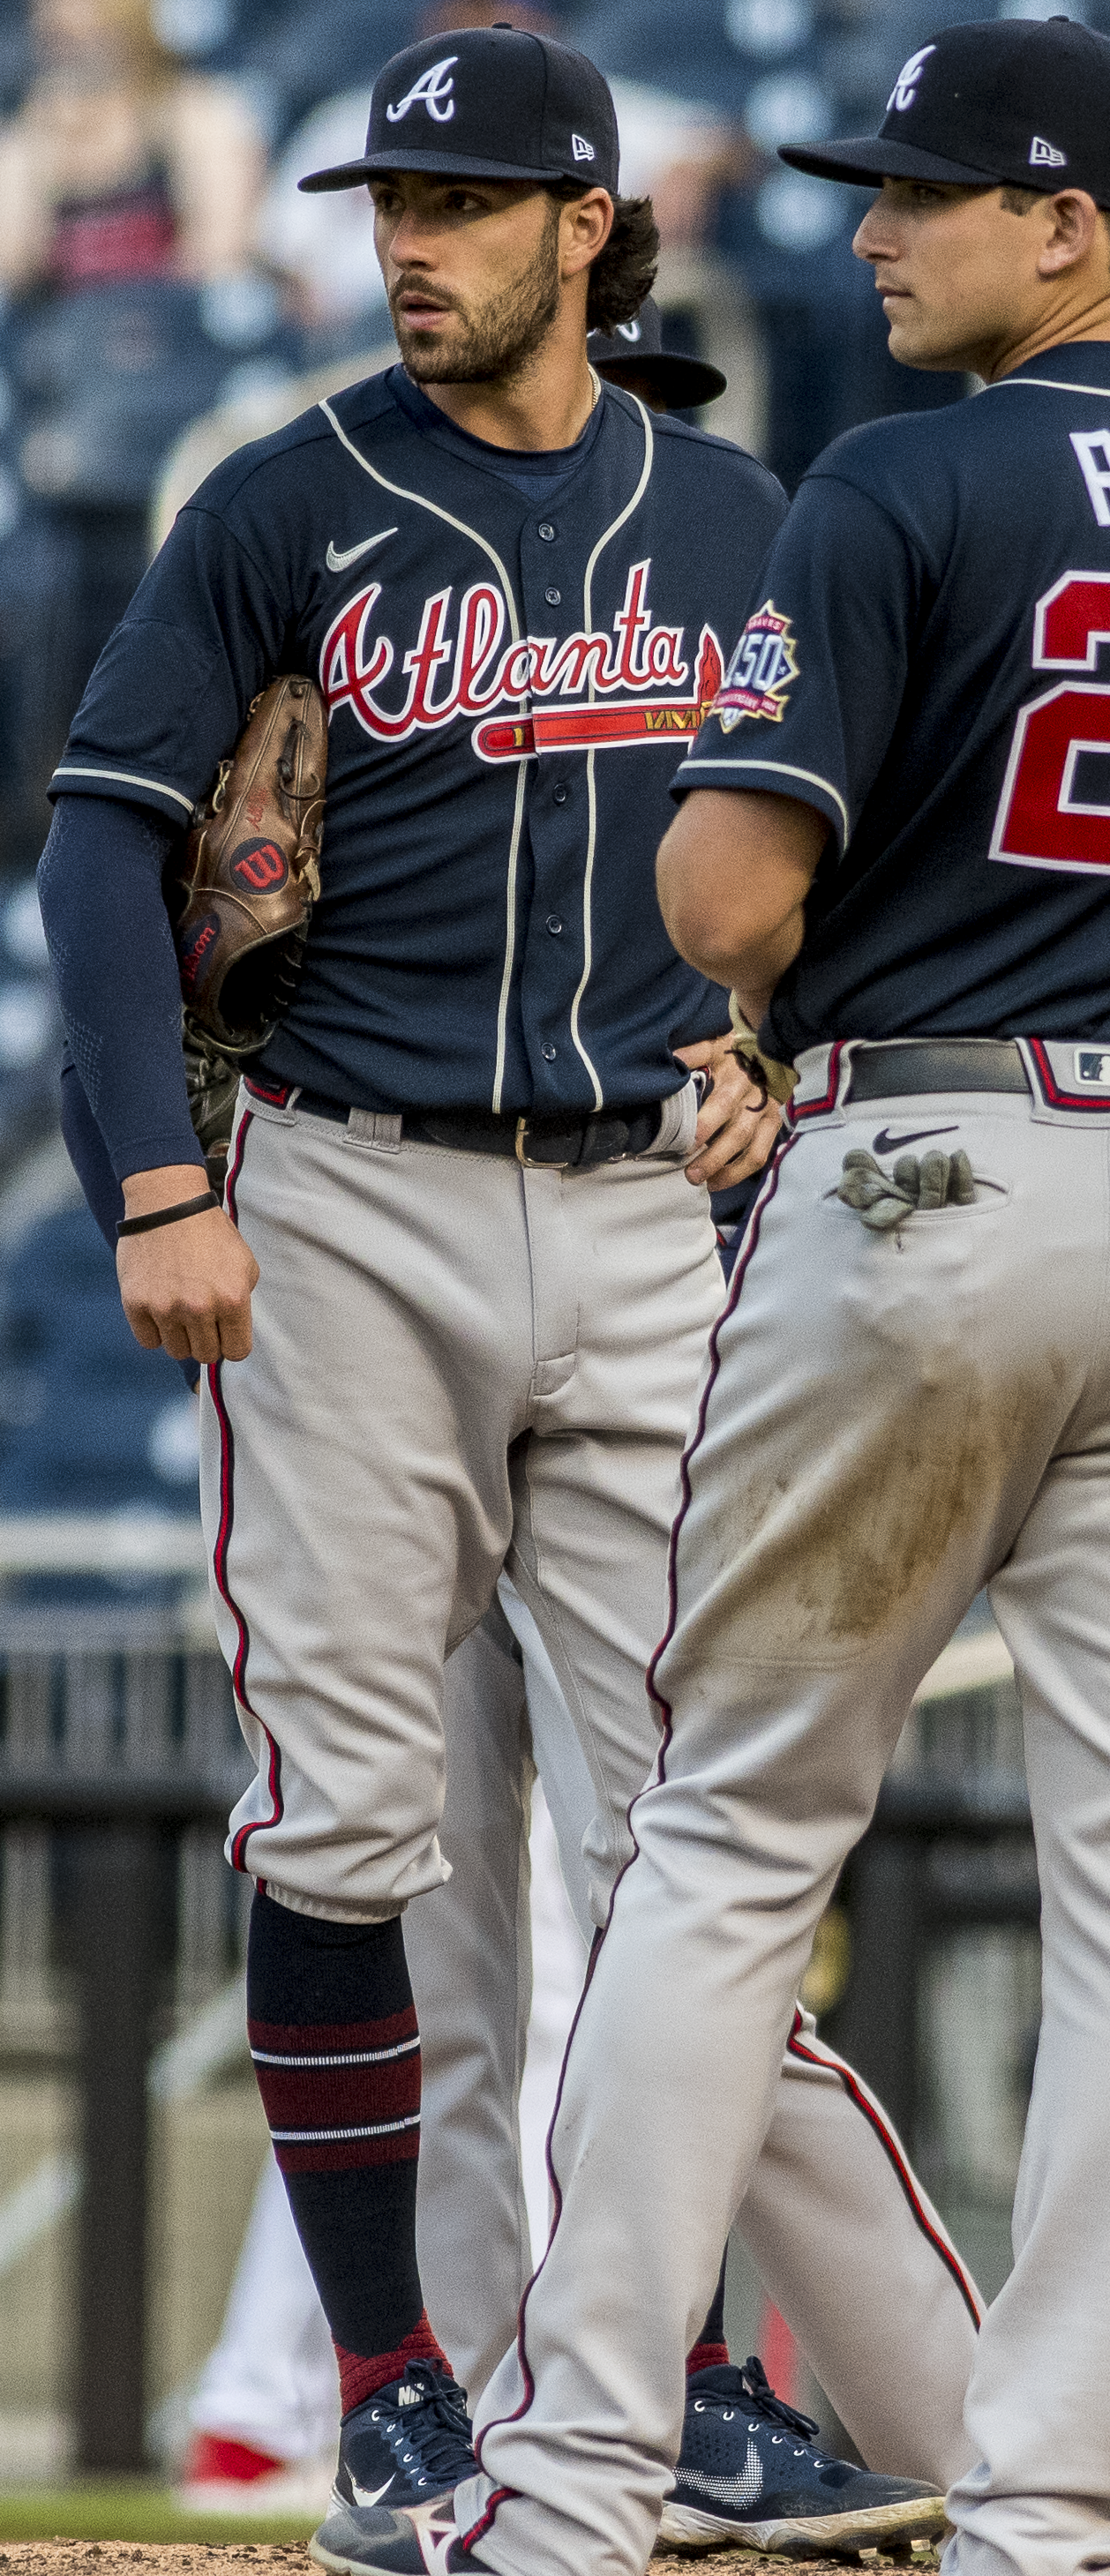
(1024, 103)
(487, 103)
(636, 349)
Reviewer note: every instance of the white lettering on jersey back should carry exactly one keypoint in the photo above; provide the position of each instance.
(904, 91)
(1044, 156)
(433, 90)
(1090, 445)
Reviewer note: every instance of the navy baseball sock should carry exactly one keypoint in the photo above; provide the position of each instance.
(711, 2351)
(336, 2051)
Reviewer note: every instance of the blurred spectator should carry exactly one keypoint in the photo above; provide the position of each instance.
(128, 195)
(118, 163)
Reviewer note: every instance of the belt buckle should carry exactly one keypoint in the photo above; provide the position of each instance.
(535, 1162)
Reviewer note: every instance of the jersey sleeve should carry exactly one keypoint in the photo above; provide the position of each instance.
(170, 693)
(812, 694)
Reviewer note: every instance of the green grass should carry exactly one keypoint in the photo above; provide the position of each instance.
(129, 2509)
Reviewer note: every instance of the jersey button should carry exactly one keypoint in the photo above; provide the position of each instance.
(546, 531)
(554, 924)
(560, 793)
(548, 1054)
(553, 597)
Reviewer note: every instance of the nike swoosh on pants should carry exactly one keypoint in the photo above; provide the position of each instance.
(885, 1143)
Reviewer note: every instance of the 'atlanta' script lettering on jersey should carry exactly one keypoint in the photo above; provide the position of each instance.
(473, 669)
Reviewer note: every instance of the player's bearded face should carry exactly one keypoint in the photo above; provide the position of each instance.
(483, 327)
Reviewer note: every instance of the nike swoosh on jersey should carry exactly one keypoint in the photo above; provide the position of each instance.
(342, 562)
(364, 2495)
(885, 1143)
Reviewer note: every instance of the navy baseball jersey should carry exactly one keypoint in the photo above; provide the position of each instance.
(509, 649)
(926, 663)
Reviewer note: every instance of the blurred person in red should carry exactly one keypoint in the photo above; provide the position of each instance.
(119, 163)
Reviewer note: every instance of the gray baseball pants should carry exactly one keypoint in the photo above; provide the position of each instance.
(846, 2242)
(889, 1422)
(458, 1363)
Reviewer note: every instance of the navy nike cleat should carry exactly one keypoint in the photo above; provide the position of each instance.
(368, 2540)
(407, 2445)
(751, 2475)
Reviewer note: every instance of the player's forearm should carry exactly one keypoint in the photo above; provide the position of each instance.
(116, 972)
(733, 874)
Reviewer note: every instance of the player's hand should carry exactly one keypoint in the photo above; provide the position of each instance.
(186, 1288)
(738, 1125)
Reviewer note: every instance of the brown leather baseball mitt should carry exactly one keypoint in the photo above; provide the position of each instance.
(252, 873)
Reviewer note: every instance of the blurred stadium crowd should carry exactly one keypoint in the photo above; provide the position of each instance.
(156, 266)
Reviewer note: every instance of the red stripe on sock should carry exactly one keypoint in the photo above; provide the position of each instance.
(360, 2373)
(332, 2038)
(326, 2116)
(707, 2356)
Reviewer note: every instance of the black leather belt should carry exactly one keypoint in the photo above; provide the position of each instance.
(563, 1143)
(937, 1064)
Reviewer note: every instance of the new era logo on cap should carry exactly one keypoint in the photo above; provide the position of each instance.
(1044, 156)
(582, 150)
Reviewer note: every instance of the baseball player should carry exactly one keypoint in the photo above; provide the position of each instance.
(460, 1179)
(896, 851)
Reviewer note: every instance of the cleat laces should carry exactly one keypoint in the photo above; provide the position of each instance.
(435, 2432)
(751, 2386)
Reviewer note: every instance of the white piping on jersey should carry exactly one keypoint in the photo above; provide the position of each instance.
(782, 769)
(126, 778)
(510, 935)
(422, 503)
(475, 534)
(591, 756)
(1050, 385)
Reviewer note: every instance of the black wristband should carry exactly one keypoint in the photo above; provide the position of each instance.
(168, 1215)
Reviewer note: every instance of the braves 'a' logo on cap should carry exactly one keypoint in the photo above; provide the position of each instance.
(757, 681)
(434, 90)
(904, 91)
(1045, 156)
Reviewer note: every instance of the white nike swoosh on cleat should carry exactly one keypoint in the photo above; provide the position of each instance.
(337, 562)
(362, 2495)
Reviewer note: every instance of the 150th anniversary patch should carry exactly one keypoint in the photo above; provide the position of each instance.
(757, 681)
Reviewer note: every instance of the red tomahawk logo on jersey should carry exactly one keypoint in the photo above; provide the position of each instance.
(601, 728)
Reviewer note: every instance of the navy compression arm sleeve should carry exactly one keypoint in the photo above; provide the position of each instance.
(100, 887)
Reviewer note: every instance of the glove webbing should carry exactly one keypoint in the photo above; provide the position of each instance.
(884, 1200)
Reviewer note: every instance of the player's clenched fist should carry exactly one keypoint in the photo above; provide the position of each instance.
(186, 1287)
(737, 1126)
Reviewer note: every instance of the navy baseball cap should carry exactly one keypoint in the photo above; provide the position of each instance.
(487, 103)
(636, 349)
(1022, 104)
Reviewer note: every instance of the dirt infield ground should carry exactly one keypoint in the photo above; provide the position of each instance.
(244, 2558)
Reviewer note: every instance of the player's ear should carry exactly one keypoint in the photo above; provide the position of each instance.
(585, 225)
(1071, 223)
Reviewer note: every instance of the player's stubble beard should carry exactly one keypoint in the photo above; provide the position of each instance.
(495, 343)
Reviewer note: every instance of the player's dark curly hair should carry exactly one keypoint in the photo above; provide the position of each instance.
(624, 272)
